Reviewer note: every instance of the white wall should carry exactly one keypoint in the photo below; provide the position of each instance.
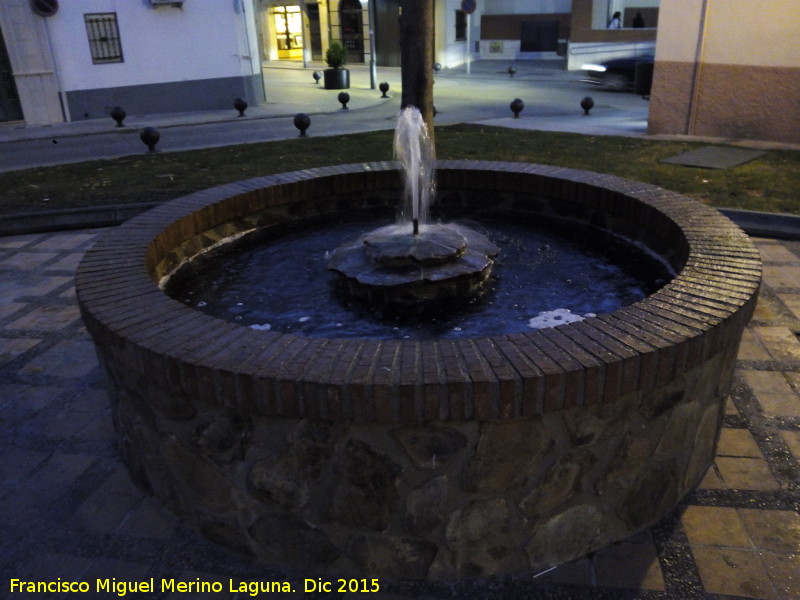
(603, 10)
(525, 7)
(448, 51)
(202, 40)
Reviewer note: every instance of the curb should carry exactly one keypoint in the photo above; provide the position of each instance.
(753, 223)
(760, 224)
(71, 218)
(43, 133)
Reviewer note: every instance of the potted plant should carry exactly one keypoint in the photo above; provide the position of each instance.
(336, 78)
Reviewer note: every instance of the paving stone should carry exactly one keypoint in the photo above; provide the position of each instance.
(68, 263)
(46, 318)
(69, 358)
(632, 566)
(112, 569)
(67, 423)
(774, 530)
(26, 261)
(576, 572)
(767, 309)
(17, 464)
(35, 285)
(792, 440)
(44, 486)
(733, 571)
(49, 566)
(10, 348)
(792, 302)
(737, 442)
(8, 309)
(712, 480)
(776, 253)
(109, 504)
(20, 401)
(784, 572)
(751, 348)
(148, 519)
(714, 526)
(781, 276)
(746, 473)
(64, 241)
(17, 241)
(773, 392)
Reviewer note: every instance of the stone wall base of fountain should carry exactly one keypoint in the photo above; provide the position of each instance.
(421, 459)
(412, 501)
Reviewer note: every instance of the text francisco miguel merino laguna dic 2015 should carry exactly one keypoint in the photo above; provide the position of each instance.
(147, 586)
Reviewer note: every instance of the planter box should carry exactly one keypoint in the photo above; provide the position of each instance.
(337, 79)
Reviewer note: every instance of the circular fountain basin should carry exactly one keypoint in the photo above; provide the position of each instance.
(414, 459)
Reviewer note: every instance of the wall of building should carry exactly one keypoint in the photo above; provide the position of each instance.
(591, 42)
(502, 24)
(449, 51)
(27, 39)
(725, 69)
(195, 56)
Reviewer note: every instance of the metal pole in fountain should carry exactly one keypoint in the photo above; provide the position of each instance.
(413, 147)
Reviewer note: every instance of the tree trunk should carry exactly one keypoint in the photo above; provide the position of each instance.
(416, 57)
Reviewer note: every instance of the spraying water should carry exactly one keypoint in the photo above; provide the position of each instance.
(413, 147)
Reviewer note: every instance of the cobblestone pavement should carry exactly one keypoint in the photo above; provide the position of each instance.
(69, 510)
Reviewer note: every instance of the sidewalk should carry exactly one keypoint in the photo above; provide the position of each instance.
(482, 96)
(69, 509)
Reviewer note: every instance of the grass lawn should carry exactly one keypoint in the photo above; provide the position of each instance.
(770, 183)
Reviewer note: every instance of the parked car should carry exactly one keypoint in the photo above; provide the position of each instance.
(617, 74)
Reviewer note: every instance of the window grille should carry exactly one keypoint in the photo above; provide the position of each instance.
(104, 42)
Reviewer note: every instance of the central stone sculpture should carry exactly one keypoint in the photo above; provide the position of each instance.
(413, 264)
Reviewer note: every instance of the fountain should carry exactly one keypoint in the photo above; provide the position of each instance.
(431, 458)
(414, 265)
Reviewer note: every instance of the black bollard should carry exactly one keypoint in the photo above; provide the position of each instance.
(516, 107)
(344, 98)
(118, 114)
(383, 86)
(587, 104)
(150, 136)
(511, 70)
(302, 121)
(317, 75)
(240, 104)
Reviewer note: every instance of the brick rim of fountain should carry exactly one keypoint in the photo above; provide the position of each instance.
(171, 363)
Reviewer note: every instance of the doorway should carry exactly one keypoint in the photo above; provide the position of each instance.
(538, 36)
(10, 107)
(352, 28)
(288, 21)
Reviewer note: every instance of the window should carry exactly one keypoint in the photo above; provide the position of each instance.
(461, 26)
(104, 42)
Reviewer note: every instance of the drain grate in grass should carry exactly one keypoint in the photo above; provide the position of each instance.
(714, 157)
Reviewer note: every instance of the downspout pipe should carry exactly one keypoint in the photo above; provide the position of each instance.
(694, 97)
(62, 95)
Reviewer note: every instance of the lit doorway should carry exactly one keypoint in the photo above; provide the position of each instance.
(288, 22)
